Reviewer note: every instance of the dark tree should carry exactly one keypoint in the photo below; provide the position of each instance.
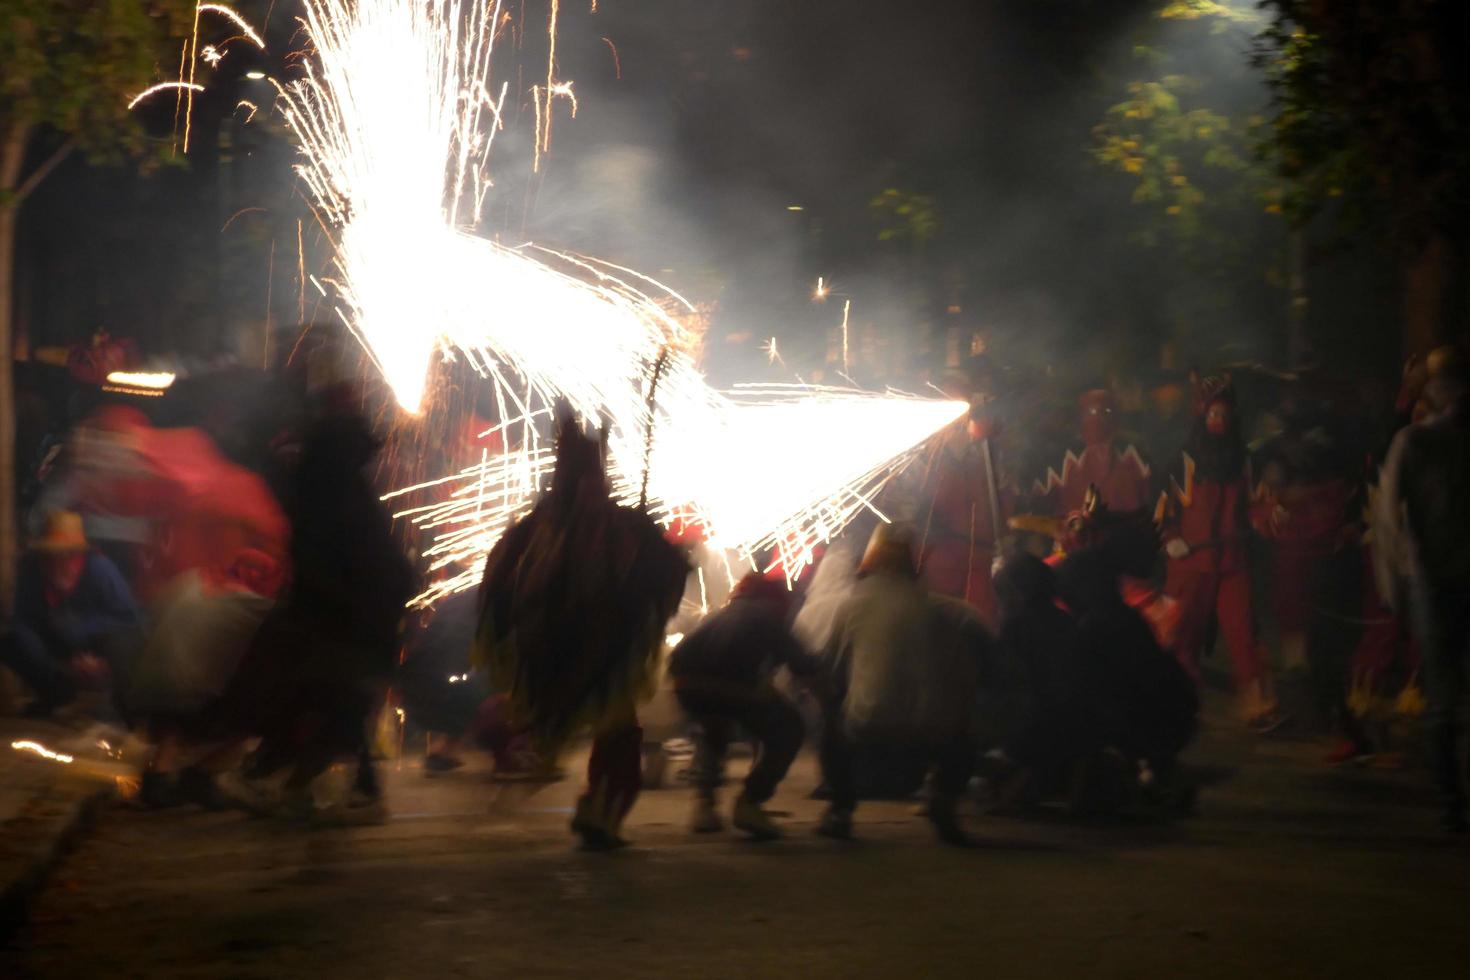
(1372, 130)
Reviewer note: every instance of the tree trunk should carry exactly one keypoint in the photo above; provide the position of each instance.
(12, 157)
(1428, 278)
(9, 525)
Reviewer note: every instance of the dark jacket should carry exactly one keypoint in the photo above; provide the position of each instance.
(1422, 529)
(100, 606)
(744, 643)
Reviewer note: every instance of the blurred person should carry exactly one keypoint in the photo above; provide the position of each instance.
(1140, 701)
(1207, 517)
(574, 606)
(1048, 728)
(318, 669)
(76, 624)
(203, 624)
(964, 502)
(723, 674)
(1423, 539)
(903, 668)
(1317, 564)
(1119, 475)
(443, 695)
(439, 691)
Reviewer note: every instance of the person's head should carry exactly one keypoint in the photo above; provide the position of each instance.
(1099, 416)
(756, 587)
(1447, 388)
(1217, 404)
(890, 551)
(580, 466)
(1022, 583)
(63, 551)
(1168, 399)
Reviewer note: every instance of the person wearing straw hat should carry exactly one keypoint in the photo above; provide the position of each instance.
(74, 613)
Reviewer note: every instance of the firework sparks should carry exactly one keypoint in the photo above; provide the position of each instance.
(846, 309)
(165, 87)
(397, 162)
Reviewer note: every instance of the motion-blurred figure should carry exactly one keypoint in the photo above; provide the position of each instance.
(446, 697)
(1047, 726)
(905, 665)
(1142, 703)
(1207, 518)
(76, 624)
(964, 503)
(1423, 550)
(574, 605)
(202, 627)
(723, 676)
(319, 668)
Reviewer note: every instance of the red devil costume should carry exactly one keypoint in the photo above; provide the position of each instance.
(1120, 476)
(573, 607)
(1206, 516)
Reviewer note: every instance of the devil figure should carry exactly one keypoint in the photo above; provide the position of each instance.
(573, 607)
(1120, 476)
(1206, 517)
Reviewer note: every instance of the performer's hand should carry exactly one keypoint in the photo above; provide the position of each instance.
(1176, 548)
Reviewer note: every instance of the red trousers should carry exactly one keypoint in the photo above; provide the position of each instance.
(1227, 597)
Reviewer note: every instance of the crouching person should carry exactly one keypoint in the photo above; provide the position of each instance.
(905, 668)
(76, 627)
(722, 674)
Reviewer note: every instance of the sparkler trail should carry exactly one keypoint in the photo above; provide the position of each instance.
(164, 87)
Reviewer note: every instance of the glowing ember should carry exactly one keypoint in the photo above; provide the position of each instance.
(142, 379)
(36, 748)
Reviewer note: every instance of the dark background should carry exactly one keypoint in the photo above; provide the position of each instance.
(725, 114)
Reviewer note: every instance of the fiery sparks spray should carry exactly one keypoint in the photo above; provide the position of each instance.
(396, 114)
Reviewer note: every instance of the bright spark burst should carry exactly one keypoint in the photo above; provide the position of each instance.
(822, 291)
(396, 116)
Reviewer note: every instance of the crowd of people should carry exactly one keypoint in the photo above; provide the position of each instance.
(1043, 636)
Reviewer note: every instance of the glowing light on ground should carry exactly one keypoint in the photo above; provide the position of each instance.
(36, 748)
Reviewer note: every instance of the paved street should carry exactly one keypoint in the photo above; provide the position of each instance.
(1291, 869)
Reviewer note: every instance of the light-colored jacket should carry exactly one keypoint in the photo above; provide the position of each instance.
(910, 659)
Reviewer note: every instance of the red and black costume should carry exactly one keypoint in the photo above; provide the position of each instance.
(1206, 517)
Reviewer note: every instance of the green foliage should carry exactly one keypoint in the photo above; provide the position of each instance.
(1188, 153)
(1371, 112)
(70, 66)
(904, 216)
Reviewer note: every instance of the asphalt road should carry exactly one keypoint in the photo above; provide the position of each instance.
(1290, 869)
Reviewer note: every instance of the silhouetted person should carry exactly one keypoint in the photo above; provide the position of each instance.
(1423, 531)
(722, 674)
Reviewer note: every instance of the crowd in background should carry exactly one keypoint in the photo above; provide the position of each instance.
(1038, 608)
